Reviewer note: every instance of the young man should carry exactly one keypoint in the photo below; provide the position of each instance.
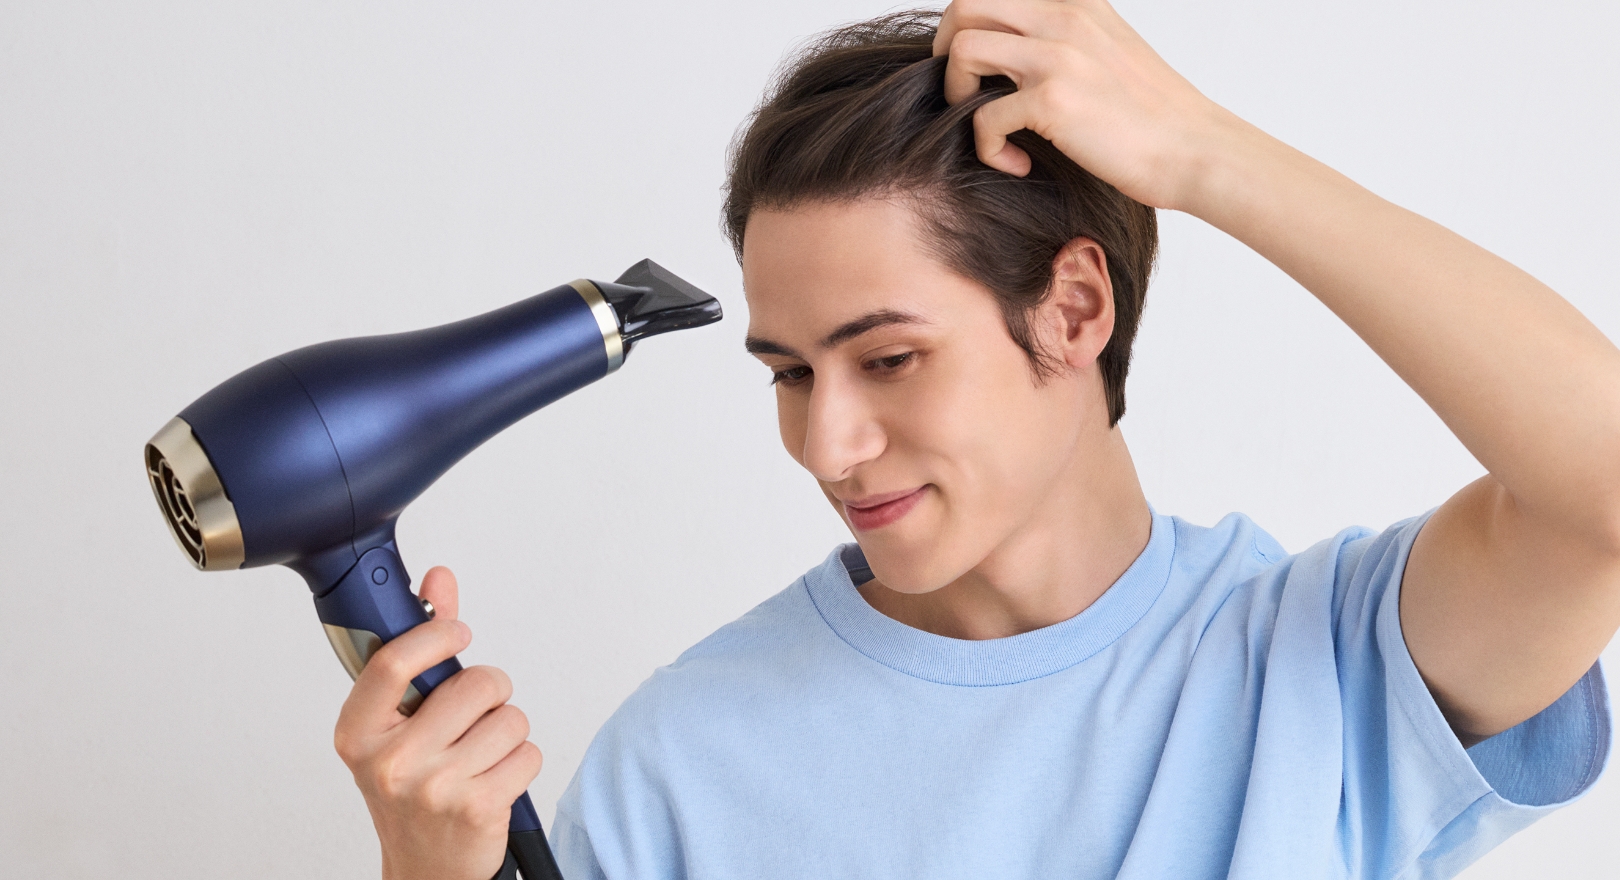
(1021, 669)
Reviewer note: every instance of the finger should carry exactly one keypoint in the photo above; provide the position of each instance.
(946, 31)
(1024, 17)
(991, 125)
(977, 53)
(457, 705)
(439, 587)
(489, 740)
(512, 775)
(376, 694)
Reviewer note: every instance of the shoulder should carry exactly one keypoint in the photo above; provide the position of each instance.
(743, 669)
(1211, 564)
(1236, 548)
(666, 749)
(1234, 542)
(1234, 569)
(750, 675)
(1355, 571)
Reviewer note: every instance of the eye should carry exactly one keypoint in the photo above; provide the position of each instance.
(790, 375)
(891, 363)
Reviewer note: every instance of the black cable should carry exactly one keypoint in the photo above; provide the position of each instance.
(528, 854)
(509, 868)
(532, 854)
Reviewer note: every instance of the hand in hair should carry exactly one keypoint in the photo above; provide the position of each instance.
(1089, 84)
(1512, 589)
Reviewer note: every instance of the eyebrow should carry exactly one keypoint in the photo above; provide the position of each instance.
(848, 330)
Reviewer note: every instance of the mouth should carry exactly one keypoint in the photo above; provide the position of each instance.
(877, 511)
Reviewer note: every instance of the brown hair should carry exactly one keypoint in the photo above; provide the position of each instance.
(861, 111)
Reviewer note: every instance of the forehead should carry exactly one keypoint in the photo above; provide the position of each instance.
(808, 268)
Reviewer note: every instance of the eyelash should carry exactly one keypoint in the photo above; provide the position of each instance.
(894, 361)
(794, 375)
(782, 377)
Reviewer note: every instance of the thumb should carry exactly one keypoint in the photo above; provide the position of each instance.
(439, 588)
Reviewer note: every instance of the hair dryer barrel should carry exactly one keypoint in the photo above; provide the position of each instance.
(344, 434)
(308, 459)
(304, 453)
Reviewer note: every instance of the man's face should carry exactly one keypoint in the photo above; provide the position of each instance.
(900, 389)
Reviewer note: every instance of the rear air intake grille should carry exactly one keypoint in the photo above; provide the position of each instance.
(177, 509)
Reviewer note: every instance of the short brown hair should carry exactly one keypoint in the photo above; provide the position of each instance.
(861, 111)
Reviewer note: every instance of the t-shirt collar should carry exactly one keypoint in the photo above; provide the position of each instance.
(988, 662)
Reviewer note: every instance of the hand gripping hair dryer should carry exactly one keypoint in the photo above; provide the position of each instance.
(308, 459)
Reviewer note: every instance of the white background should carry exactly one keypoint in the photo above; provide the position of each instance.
(189, 188)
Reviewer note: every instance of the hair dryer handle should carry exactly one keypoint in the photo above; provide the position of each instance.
(372, 605)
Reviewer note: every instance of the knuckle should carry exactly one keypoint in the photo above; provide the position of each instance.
(436, 796)
(1055, 102)
(1070, 14)
(504, 680)
(968, 44)
(1089, 27)
(472, 686)
(487, 684)
(450, 630)
(513, 721)
(388, 664)
(452, 801)
(1065, 54)
(441, 634)
(531, 755)
(390, 777)
(971, 9)
(477, 812)
(347, 745)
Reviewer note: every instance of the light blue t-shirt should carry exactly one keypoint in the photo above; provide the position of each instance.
(1223, 710)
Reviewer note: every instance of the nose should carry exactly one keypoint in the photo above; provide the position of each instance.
(841, 431)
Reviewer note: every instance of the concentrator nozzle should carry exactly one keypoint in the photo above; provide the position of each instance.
(650, 300)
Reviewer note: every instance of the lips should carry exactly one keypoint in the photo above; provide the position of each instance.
(877, 511)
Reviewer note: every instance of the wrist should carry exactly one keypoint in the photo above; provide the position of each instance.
(1221, 164)
(1256, 188)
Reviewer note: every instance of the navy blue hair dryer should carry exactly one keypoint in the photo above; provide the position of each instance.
(308, 459)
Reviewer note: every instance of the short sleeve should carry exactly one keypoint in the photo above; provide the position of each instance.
(1416, 804)
(617, 818)
(571, 845)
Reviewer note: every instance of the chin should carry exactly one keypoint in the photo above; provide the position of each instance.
(914, 566)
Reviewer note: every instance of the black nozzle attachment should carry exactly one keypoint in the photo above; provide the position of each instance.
(650, 300)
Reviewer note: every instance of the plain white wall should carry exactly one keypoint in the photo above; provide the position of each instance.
(188, 188)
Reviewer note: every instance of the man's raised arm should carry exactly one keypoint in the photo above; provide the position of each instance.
(1513, 587)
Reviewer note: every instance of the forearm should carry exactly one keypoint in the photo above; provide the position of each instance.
(1527, 384)
(1514, 585)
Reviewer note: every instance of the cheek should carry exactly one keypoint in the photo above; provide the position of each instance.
(957, 438)
(979, 420)
(998, 445)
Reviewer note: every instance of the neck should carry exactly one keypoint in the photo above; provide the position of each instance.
(1074, 546)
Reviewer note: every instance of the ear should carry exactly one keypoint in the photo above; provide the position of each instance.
(1077, 317)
